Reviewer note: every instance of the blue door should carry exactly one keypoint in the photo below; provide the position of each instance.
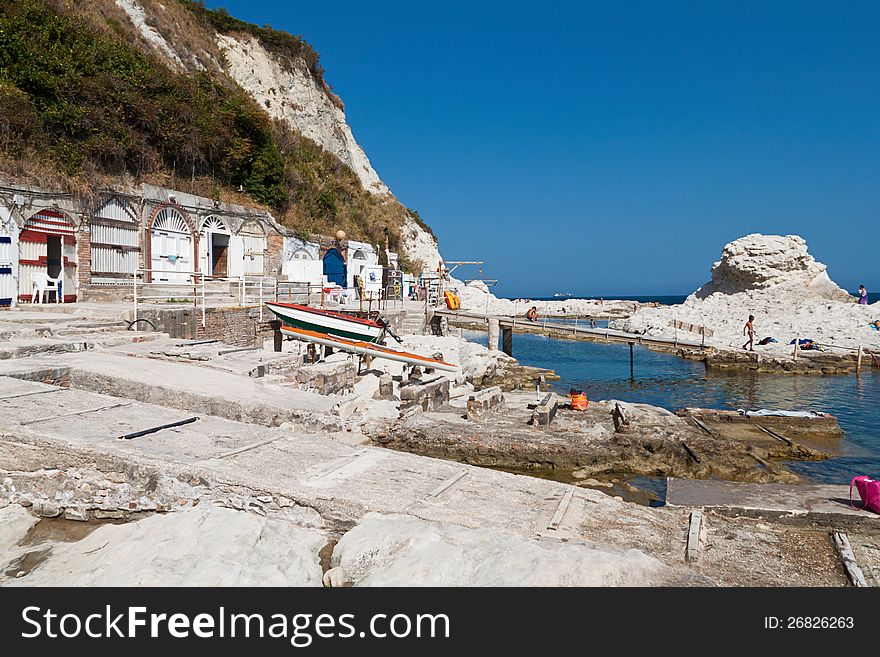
(334, 267)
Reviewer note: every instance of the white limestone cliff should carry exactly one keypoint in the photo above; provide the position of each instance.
(288, 92)
(138, 17)
(770, 262)
(293, 95)
(774, 278)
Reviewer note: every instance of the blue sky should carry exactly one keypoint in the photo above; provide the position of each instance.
(597, 149)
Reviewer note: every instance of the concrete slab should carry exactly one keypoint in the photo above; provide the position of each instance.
(243, 361)
(820, 500)
(183, 386)
(12, 388)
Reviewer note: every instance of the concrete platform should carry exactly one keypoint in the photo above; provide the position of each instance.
(340, 481)
(813, 501)
(182, 386)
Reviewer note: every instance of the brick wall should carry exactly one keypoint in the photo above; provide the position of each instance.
(240, 327)
(275, 251)
(84, 255)
(105, 293)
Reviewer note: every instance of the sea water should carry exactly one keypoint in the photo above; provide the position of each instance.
(659, 379)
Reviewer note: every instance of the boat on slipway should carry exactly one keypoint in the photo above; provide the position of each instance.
(370, 349)
(331, 323)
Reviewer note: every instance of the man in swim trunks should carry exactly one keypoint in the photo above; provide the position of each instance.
(749, 329)
(532, 314)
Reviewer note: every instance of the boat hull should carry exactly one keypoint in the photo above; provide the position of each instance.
(311, 319)
(368, 349)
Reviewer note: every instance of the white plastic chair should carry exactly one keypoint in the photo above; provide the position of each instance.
(43, 283)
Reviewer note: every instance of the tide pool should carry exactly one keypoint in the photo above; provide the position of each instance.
(603, 372)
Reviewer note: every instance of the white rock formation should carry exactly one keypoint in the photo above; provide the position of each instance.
(292, 94)
(399, 550)
(151, 35)
(419, 245)
(768, 262)
(476, 297)
(206, 546)
(474, 359)
(775, 279)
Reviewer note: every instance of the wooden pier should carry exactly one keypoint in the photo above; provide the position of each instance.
(557, 329)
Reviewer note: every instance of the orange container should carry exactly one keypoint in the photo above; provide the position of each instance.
(579, 401)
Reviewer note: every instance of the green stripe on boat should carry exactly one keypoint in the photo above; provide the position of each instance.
(321, 328)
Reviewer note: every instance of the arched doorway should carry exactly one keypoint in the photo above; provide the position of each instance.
(247, 250)
(114, 242)
(47, 245)
(214, 239)
(171, 247)
(334, 267)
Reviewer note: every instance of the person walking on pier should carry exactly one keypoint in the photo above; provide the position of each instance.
(749, 329)
(863, 295)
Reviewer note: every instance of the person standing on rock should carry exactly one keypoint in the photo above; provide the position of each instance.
(863, 295)
(749, 329)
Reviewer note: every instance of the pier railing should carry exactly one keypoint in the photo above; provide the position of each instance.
(257, 290)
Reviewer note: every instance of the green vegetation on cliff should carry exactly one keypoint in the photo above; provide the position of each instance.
(79, 100)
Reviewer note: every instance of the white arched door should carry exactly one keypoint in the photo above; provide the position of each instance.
(247, 251)
(114, 242)
(214, 247)
(171, 247)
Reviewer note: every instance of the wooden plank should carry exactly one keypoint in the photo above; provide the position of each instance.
(157, 429)
(693, 550)
(776, 435)
(690, 452)
(560, 510)
(844, 549)
(448, 483)
(702, 426)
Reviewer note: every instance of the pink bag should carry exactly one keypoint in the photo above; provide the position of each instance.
(869, 491)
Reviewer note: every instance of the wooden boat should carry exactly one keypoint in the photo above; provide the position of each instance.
(328, 322)
(367, 349)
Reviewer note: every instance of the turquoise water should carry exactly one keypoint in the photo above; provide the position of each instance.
(603, 371)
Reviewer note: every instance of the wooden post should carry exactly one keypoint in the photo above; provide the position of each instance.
(507, 340)
(276, 334)
(859, 361)
(797, 341)
(631, 362)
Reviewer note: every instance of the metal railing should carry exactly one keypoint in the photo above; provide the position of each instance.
(191, 280)
(256, 290)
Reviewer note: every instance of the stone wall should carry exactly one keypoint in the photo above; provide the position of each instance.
(235, 326)
(181, 323)
(327, 378)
